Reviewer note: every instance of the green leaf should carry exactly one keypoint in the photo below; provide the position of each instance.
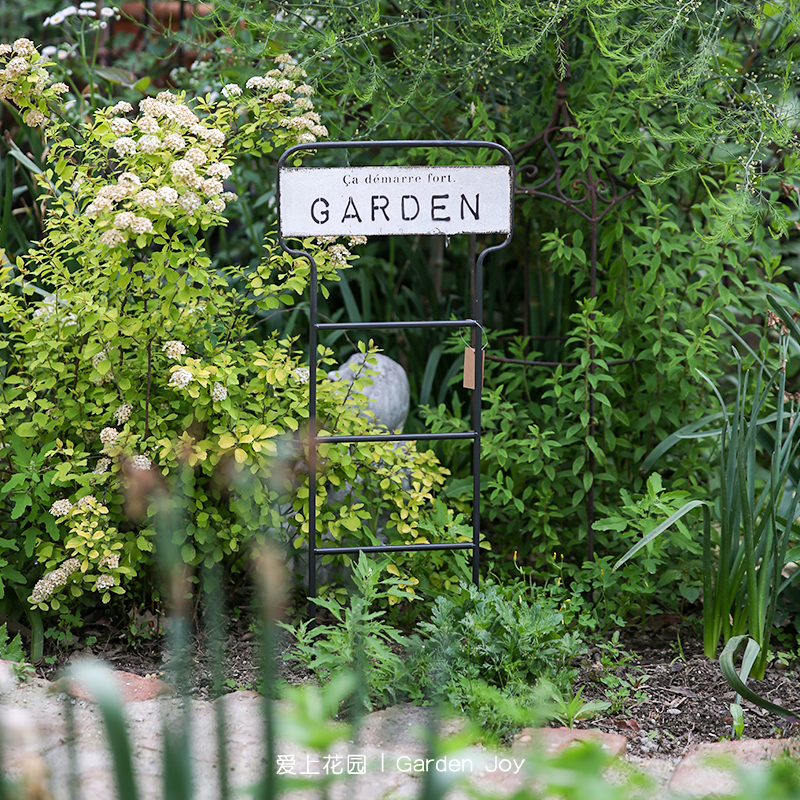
(21, 502)
(23, 159)
(118, 75)
(659, 529)
(188, 553)
(726, 664)
(226, 441)
(18, 478)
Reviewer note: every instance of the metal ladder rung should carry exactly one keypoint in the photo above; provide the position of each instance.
(419, 323)
(393, 548)
(395, 437)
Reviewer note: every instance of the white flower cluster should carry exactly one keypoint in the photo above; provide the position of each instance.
(110, 561)
(112, 238)
(103, 355)
(98, 357)
(108, 436)
(218, 392)
(128, 220)
(45, 308)
(141, 462)
(120, 126)
(89, 501)
(23, 48)
(167, 195)
(181, 378)
(123, 413)
(339, 254)
(310, 121)
(60, 508)
(174, 349)
(125, 146)
(148, 124)
(104, 582)
(102, 466)
(34, 118)
(166, 140)
(71, 565)
(278, 87)
(219, 170)
(22, 79)
(149, 143)
(195, 156)
(190, 202)
(301, 374)
(174, 142)
(53, 581)
(49, 306)
(147, 198)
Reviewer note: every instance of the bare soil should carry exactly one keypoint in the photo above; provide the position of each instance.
(671, 697)
(666, 695)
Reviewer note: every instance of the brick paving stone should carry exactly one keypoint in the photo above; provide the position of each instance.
(696, 777)
(131, 687)
(552, 740)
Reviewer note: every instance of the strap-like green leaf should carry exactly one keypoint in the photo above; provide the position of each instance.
(659, 529)
(105, 690)
(728, 667)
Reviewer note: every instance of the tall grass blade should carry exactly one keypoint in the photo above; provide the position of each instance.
(659, 529)
(105, 691)
(691, 431)
(215, 633)
(353, 312)
(430, 374)
(269, 788)
(711, 630)
(73, 776)
(176, 732)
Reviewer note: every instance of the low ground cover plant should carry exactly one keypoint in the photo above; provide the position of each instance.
(503, 660)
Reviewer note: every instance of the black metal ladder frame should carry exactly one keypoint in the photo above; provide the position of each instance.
(476, 325)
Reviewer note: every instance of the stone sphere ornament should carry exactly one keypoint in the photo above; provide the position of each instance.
(388, 395)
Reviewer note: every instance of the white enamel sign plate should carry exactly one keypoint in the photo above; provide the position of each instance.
(374, 201)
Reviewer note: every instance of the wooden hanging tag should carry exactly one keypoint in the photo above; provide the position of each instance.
(469, 367)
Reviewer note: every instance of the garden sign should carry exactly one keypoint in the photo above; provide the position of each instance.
(405, 201)
(375, 201)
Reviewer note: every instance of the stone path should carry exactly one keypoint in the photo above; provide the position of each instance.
(389, 748)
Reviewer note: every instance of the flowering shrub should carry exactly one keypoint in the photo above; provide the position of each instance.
(132, 365)
(25, 81)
